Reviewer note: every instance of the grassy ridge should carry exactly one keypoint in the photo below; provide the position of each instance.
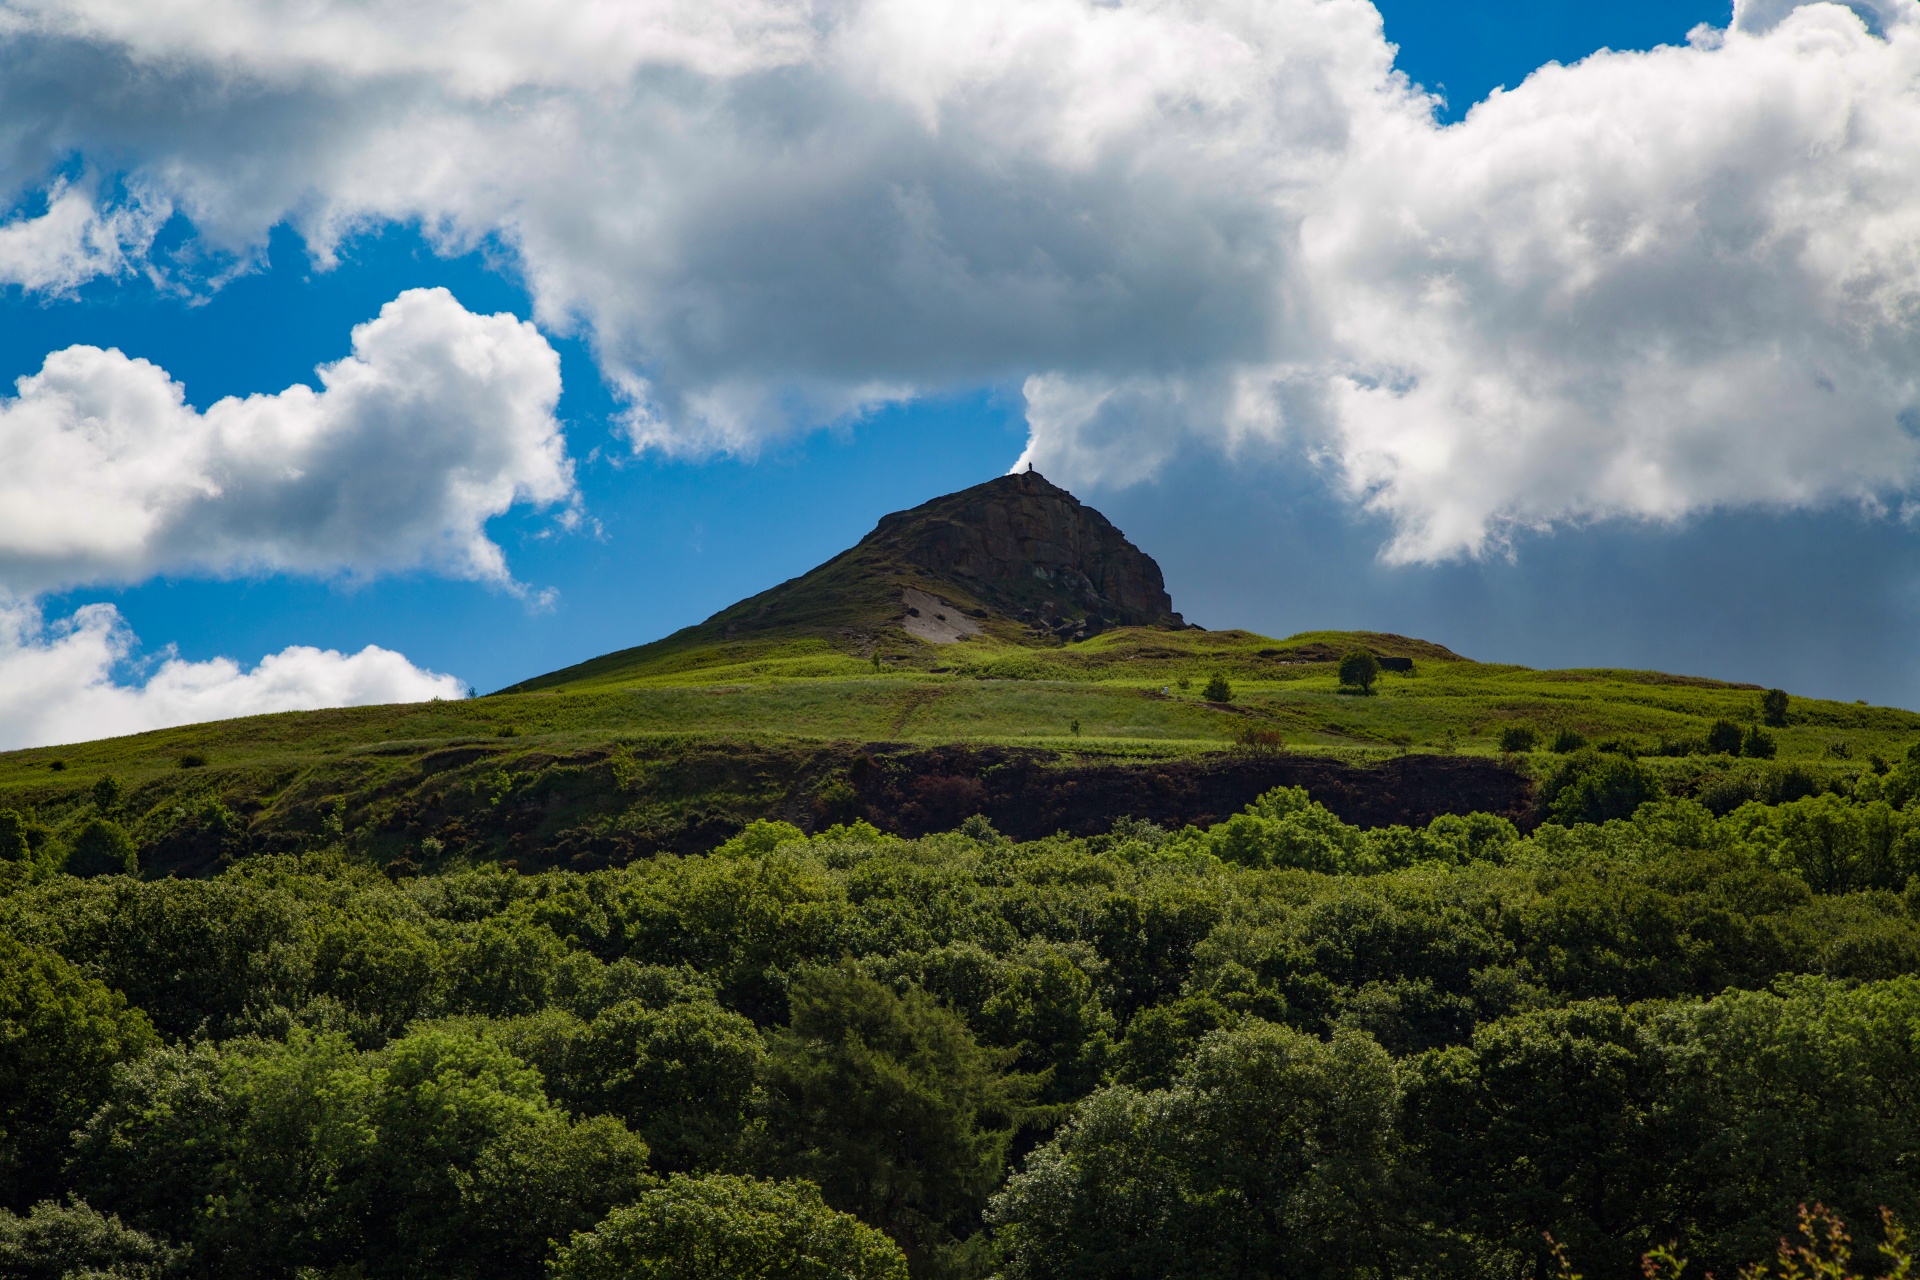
(1124, 689)
(679, 750)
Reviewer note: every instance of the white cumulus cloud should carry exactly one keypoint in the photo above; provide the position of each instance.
(440, 420)
(1643, 286)
(73, 240)
(57, 682)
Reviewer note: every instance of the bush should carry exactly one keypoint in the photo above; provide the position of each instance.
(14, 846)
(1261, 741)
(1773, 707)
(1567, 741)
(1724, 738)
(107, 793)
(1217, 690)
(1358, 670)
(1758, 743)
(103, 848)
(1591, 787)
(729, 1228)
(1517, 737)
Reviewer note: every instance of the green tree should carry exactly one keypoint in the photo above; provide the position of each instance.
(107, 793)
(682, 1076)
(1590, 786)
(730, 1228)
(1567, 741)
(70, 1241)
(1217, 689)
(1773, 707)
(889, 1104)
(103, 848)
(1358, 670)
(1516, 738)
(1544, 1124)
(61, 1034)
(14, 846)
(438, 1156)
(1758, 743)
(1271, 1157)
(1723, 738)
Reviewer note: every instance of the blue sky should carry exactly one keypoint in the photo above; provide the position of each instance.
(1808, 583)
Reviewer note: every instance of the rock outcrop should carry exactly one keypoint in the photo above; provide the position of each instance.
(1032, 551)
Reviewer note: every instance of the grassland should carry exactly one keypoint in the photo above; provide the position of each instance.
(1128, 692)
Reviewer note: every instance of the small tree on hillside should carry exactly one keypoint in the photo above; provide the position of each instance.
(1724, 738)
(1517, 737)
(102, 848)
(1217, 690)
(1773, 707)
(1358, 670)
(1758, 743)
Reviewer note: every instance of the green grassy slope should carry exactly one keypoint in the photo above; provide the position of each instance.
(1124, 687)
(683, 745)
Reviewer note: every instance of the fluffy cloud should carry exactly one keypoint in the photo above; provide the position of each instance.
(57, 683)
(438, 421)
(1645, 285)
(73, 241)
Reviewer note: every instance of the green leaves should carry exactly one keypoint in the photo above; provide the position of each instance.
(61, 1034)
(730, 1228)
(1271, 1156)
(891, 1106)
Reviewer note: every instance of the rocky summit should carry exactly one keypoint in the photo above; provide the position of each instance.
(1030, 551)
(1017, 560)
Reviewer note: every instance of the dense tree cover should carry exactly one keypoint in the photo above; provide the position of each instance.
(1277, 1046)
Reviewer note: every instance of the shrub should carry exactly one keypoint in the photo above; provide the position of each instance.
(1517, 737)
(1217, 690)
(1724, 738)
(1358, 670)
(193, 760)
(14, 846)
(107, 793)
(1261, 741)
(1567, 741)
(1758, 743)
(103, 848)
(1773, 707)
(1591, 787)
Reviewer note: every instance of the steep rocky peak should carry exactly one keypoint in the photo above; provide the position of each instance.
(1029, 549)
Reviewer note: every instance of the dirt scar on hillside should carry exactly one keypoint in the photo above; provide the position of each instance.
(932, 619)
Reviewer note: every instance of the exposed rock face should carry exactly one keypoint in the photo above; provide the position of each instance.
(1033, 551)
(934, 620)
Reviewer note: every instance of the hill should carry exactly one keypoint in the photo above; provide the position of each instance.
(1015, 561)
(1004, 649)
(425, 991)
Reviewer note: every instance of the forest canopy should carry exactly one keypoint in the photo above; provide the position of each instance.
(1277, 1046)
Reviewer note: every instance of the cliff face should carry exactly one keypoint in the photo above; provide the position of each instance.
(1033, 551)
